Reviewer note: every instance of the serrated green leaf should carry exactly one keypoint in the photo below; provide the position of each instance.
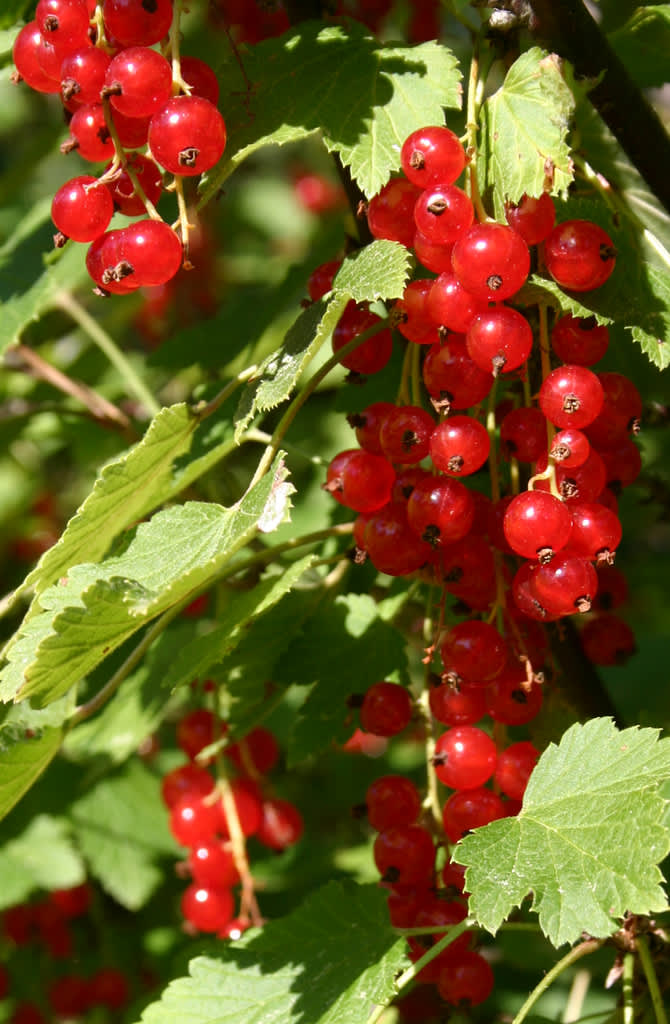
(587, 840)
(24, 866)
(123, 492)
(343, 651)
(280, 372)
(643, 44)
(363, 96)
(197, 658)
(329, 962)
(524, 128)
(28, 285)
(23, 758)
(377, 271)
(136, 709)
(95, 608)
(121, 828)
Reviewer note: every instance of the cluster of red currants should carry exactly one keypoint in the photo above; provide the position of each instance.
(569, 452)
(123, 95)
(214, 818)
(48, 922)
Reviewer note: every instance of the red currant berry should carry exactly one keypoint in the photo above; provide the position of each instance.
(153, 251)
(108, 987)
(571, 396)
(405, 434)
(368, 424)
(82, 209)
(459, 446)
(465, 757)
(256, 753)
(468, 809)
(499, 339)
(570, 448)
(25, 54)
(608, 640)
(186, 780)
(248, 804)
(514, 767)
(391, 212)
(194, 820)
(212, 864)
(579, 255)
(371, 355)
(69, 996)
(207, 909)
(89, 134)
(467, 980)
(411, 314)
(133, 23)
(537, 524)
(596, 532)
(392, 800)
(139, 82)
(195, 731)
(122, 190)
(187, 135)
(443, 213)
(567, 584)
(579, 341)
(491, 261)
(281, 824)
(63, 22)
(360, 480)
(452, 378)
(386, 709)
(449, 305)
(83, 73)
(320, 281)
(431, 255)
(432, 154)
(532, 218)
(404, 855)
(440, 510)
(474, 651)
(392, 545)
(523, 434)
(453, 706)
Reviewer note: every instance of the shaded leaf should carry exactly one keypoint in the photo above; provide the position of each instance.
(363, 96)
(24, 866)
(643, 44)
(587, 840)
(23, 758)
(329, 962)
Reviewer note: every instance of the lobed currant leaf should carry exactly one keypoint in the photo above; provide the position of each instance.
(364, 97)
(524, 132)
(377, 271)
(587, 840)
(339, 935)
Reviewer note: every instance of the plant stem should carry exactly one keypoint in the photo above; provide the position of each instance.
(578, 991)
(106, 344)
(652, 980)
(583, 949)
(427, 957)
(627, 988)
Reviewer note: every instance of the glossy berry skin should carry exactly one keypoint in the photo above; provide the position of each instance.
(569, 448)
(360, 480)
(510, 700)
(139, 82)
(523, 434)
(371, 355)
(133, 23)
(470, 808)
(256, 753)
(89, 133)
(432, 256)
(571, 396)
(281, 824)
(122, 189)
(579, 341)
(386, 709)
(201, 78)
(596, 532)
(153, 250)
(187, 135)
(491, 261)
(474, 651)
(499, 340)
(207, 909)
(532, 218)
(195, 731)
(465, 757)
(514, 767)
(212, 864)
(82, 209)
(248, 804)
(440, 510)
(449, 305)
(83, 73)
(567, 584)
(537, 524)
(320, 281)
(64, 23)
(404, 855)
(451, 376)
(432, 154)
(459, 446)
(411, 312)
(392, 800)
(406, 433)
(27, 46)
(185, 780)
(392, 545)
(453, 706)
(194, 820)
(391, 212)
(467, 980)
(368, 424)
(579, 255)
(443, 213)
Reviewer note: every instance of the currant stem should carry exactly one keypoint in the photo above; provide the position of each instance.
(432, 801)
(121, 161)
(184, 225)
(578, 992)
(204, 409)
(627, 981)
(248, 904)
(583, 949)
(67, 302)
(652, 980)
(178, 83)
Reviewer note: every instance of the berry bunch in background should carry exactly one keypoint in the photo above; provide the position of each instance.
(148, 113)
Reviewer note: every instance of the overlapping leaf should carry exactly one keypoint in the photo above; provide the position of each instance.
(329, 962)
(587, 841)
(363, 96)
(23, 757)
(377, 271)
(24, 866)
(524, 128)
(95, 608)
(643, 44)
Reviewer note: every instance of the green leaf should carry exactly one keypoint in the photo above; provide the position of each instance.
(524, 128)
(95, 608)
(329, 962)
(280, 372)
(363, 96)
(13, 11)
(342, 651)
(22, 760)
(123, 492)
(24, 866)
(197, 658)
(587, 840)
(643, 44)
(7, 38)
(29, 283)
(121, 827)
(377, 271)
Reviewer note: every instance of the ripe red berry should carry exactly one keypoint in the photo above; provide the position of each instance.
(412, 314)
(467, 980)
(82, 74)
(371, 355)
(450, 305)
(195, 731)
(578, 340)
(321, 279)
(63, 22)
(608, 640)
(405, 434)
(514, 767)
(465, 757)
(404, 854)
(567, 584)
(470, 808)
(82, 209)
(392, 800)
(443, 213)
(386, 709)
(108, 987)
(537, 524)
(89, 133)
(368, 424)
(452, 377)
(281, 824)
(248, 804)
(571, 396)
(256, 753)
(69, 996)
(532, 218)
(491, 261)
(511, 700)
(392, 545)
(153, 250)
(139, 82)
(391, 212)
(194, 820)
(207, 909)
(579, 255)
(27, 46)
(360, 480)
(474, 651)
(122, 190)
(133, 23)
(212, 864)
(186, 780)
(432, 154)
(499, 339)
(523, 434)
(459, 446)
(187, 135)
(440, 510)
